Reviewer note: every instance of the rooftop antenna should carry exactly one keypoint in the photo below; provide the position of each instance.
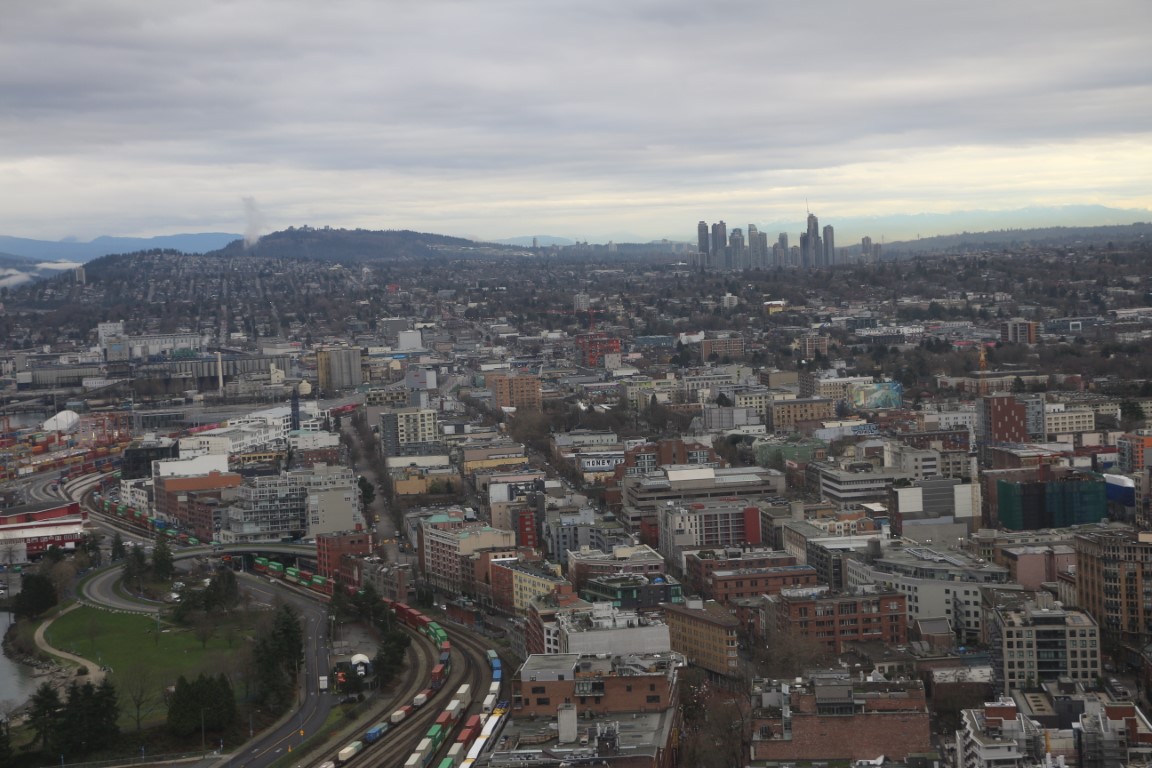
(806, 208)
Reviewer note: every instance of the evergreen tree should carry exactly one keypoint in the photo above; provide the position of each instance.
(135, 566)
(36, 596)
(163, 566)
(119, 551)
(6, 753)
(44, 715)
(183, 710)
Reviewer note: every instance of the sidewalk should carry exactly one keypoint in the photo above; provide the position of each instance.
(95, 674)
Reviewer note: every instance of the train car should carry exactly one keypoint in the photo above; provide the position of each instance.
(464, 694)
(376, 732)
(455, 710)
(447, 763)
(292, 574)
(473, 724)
(260, 564)
(467, 735)
(494, 689)
(492, 656)
(436, 736)
(489, 703)
(423, 754)
(276, 569)
(445, 652)
(439, 675)
(349, 752)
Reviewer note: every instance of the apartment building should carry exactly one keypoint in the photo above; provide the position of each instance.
(833, 619)
(520, 391)
(1114, 584)
(410, 432)
(707, 524)
(444, 543)
(783, 415)
(937, 583)
(1044, 644)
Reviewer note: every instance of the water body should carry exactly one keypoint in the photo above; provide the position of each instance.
(16, 680)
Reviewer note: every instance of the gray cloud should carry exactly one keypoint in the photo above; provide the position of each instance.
(498, 118)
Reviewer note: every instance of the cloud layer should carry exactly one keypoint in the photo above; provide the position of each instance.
(495, 118)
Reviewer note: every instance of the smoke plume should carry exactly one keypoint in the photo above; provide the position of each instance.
(254, 224)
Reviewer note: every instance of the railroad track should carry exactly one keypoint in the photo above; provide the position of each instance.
(469, 665)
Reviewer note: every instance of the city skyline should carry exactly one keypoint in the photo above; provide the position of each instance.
(592, 121)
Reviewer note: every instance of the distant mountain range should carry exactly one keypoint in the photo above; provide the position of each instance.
(71, 250)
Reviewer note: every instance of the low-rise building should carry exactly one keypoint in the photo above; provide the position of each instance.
(833, 619)
(831, 716)
(706, 634)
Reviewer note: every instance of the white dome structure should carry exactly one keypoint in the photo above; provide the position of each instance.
(65, 421)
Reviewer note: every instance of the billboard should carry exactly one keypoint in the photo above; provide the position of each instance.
(880, 394)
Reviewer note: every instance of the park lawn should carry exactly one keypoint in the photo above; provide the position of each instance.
(123, 641)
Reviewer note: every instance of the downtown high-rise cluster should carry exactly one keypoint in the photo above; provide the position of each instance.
(719, 249)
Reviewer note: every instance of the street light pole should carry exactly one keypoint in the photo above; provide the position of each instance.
(203, 746)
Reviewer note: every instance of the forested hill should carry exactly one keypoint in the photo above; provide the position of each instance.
(1098, 237)
(361, 245)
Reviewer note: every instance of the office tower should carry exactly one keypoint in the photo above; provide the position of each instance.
(736, 250)
(719, 245)
(829, 246)
(762, 249)
(753, 260)
(813, 256)
(702, 237)
(781, 250)
(866, 250)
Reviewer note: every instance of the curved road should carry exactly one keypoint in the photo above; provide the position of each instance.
(313, 706)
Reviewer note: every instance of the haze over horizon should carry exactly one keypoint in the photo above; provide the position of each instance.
(503, 119)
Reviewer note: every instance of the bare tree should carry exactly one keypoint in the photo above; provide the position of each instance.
(141, 690)
(204, 629)
(62, 575)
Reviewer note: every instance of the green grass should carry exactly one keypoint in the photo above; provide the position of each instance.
(123, 642)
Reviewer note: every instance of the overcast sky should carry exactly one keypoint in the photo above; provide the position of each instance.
(584, 119)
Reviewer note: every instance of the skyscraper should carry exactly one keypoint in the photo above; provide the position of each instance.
(783, 253)
(736, 250)
(815, 252)
(719, 245)
(753, 260)
(829, 246)
(702, 237)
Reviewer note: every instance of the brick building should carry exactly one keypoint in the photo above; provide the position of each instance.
(836, 618)
(705, 632)
(616, 685)
(700, 565)
(520, 391)
(832, 717)
(331, 548)
(587, 564)
(172, 496)
(783, 415)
